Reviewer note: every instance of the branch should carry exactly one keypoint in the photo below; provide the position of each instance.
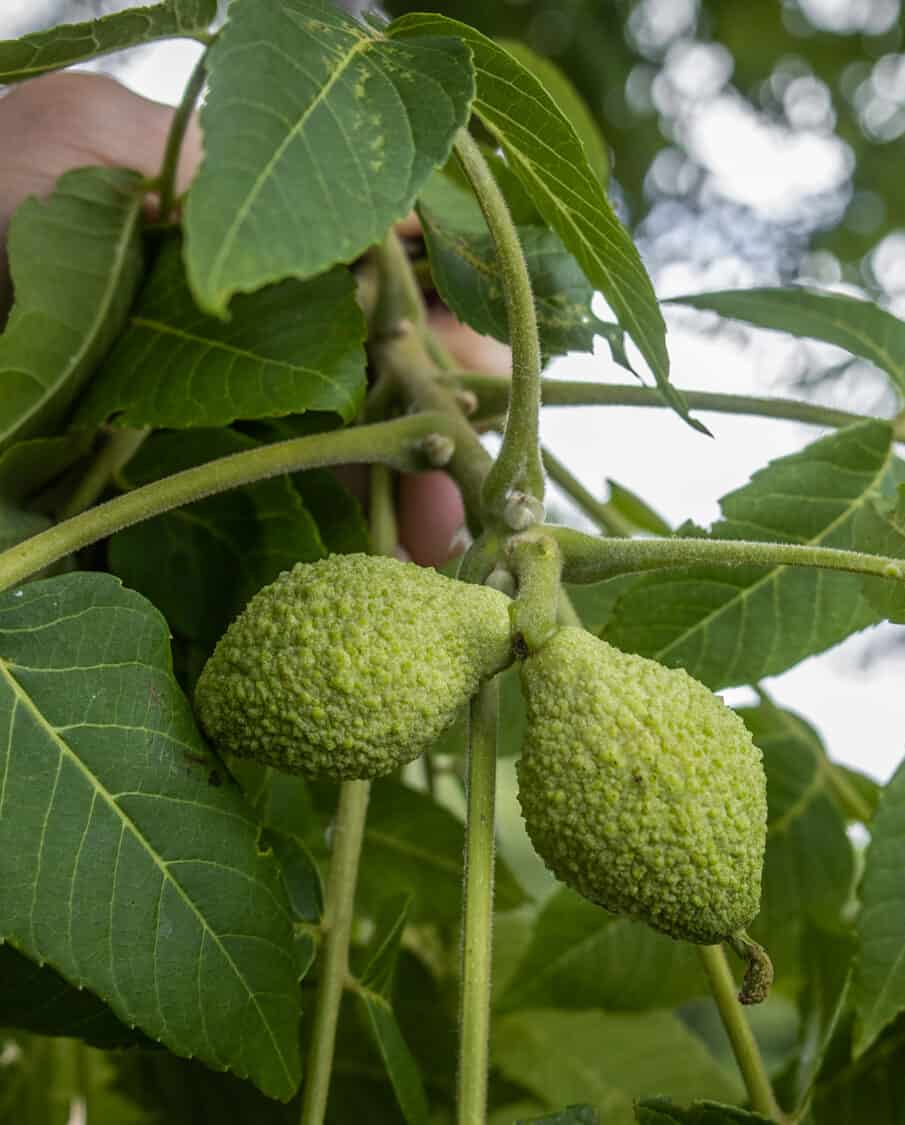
(589, 559)
(393, 443)
(518, 465)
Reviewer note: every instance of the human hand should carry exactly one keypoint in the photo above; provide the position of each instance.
(68, 120)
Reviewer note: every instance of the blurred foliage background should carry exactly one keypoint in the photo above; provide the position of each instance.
(682, 89)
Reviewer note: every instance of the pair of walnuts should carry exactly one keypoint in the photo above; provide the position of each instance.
(640, 789)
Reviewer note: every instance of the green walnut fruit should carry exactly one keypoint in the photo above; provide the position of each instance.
(351, 666)
(641, 790)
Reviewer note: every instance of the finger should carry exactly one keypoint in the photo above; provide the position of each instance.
(471, 350)
(68, 120)
(430, 515)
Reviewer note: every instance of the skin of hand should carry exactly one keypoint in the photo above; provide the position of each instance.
(68, 120)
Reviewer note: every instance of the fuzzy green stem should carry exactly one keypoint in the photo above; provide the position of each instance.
(518, 465)
(744, 1045)
(393, 443)
(339, 912)
(405, 360)
(477, 926)
(399, 296)
(118, 449)
(493, 392)
(176, 136)
(537, 564)
(382, 514)
(602, 514)
(587, 558)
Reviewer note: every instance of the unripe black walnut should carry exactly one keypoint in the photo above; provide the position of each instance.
(641, 790)
(351, 666)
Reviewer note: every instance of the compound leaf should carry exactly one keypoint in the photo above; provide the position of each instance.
(861, 327)
(70, 43)
(809, 865)
(572, 1115)
(36, 998)
(737, 625)
(606, 1059)
(289, 348)
(318, 133)
(401, 1067)
(466, 271)
(200, 563)
(545, 152)
(879, 982)
(582, 957)
(75, 261)
(122, 866)
(661, 1111)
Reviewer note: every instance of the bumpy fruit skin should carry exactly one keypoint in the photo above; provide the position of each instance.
(351, 666)
(641, 790)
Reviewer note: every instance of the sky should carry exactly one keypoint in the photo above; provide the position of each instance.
(858, 705)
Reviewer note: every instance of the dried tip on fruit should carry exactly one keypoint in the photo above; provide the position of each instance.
(351, 666)
(522, 511)
(641, 790)
(759, 968)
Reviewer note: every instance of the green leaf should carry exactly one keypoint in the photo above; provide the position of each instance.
(580, 956)
(571, 104)
(301, 877)
(412, 844)
(289, 348)
(377, 975)
(661, 1111)
(201, 563)
(866, 1089)
(339, 129)
(881, 531)
(829, 960)
(861, 327)
(879, 984)
(466, 271)
(606, 1059)
(636, 510)
(544, 151)
(174, 1091)
(809, 865)
(77, 42)
(397, 1058)
(572, 1115)
(27, 466)
(335, 510)
(737, 625)
(122, 866)
(595, 602)
(75, 261)
(37, 999)
(856, 794)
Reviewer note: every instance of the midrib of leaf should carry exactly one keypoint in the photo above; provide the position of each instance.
(233, 351)
(404, 847)
(817, 784)
(61, 377)
(608, 1098)
(235, 226)
(555, 964)
(772, 574)
(627, 313)
(127, 824)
